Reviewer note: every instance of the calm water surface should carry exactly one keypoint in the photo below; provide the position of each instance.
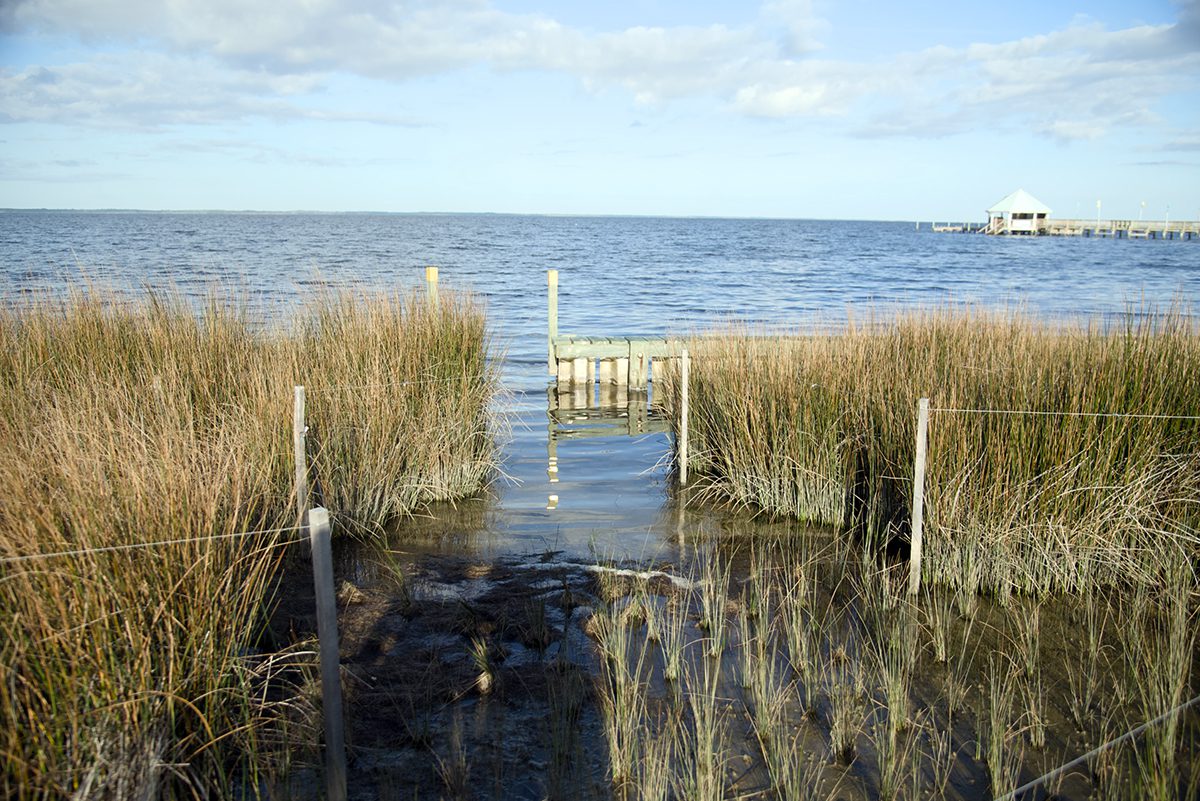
(617, 275)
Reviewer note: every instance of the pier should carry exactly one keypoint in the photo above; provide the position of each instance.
(1112, 229)
(622, 360)
(1127, 229)
(1021, 214)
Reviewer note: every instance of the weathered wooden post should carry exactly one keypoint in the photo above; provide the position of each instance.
(918, 503)
(683, 417)
(552, 319)
(637, 364)
(299, 439)
(431, 282)
(327, 634)
(622, 369)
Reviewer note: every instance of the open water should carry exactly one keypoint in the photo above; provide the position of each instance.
(617, 275)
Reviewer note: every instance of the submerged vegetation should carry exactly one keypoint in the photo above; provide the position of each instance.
(1061, 457)
(136, 671)
(861, 702)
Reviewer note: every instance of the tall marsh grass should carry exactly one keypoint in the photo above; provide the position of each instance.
(823, 428)
(135, 672)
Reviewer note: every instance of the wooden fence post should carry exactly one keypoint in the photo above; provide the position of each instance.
(327, 635)
(552, 320)
(683, 417)
(431, 282)
(299, 440)
(918, 502)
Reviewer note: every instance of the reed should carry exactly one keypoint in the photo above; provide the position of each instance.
(1086, 665)
(125, 423)
(701, 747)
(845, 690)
(1000, 737)
(672, 628)
(822, 428)
(1159, 644)
(714, 600)
(621, 690)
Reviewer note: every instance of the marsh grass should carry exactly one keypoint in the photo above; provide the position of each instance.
(122, 424)
(620, 689)
(714, 601)
(825, 647)
(1086, 666)
(701, 746)
(822, 428)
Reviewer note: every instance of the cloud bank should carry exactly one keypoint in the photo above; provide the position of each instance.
(202, 61)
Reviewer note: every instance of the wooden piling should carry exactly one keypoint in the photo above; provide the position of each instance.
(637, 364)
(683, 417)
(299, 440)
(552, 318)
(918, 502)
(327, 635)
(622, 368)
(431, 282)
(580, 373)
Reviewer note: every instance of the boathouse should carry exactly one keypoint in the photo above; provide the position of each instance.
(1018, 213)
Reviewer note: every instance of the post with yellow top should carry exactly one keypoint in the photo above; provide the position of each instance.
(918, 501)
(552, 320)
(431, 281)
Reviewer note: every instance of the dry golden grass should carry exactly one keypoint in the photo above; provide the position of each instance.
(823, 428)
(122, 424)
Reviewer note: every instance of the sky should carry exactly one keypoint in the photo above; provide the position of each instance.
(789, 108)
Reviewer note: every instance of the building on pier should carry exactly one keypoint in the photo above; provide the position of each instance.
(1018, 213)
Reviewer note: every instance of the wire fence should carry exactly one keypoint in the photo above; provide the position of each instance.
(1129, 735)
(134, 546)
(1053, 413)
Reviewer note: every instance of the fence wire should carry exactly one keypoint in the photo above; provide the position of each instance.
(1044, 413)
(133, 546)
(1134, 732)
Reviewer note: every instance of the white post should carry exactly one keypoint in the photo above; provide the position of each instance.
(327, 636)
(683, 417)
(918, 507)
(552, 318)
(299, 438)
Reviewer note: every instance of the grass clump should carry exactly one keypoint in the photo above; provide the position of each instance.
(158, 421)
(822, 428)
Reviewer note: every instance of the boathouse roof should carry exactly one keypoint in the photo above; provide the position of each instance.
(1019, 202)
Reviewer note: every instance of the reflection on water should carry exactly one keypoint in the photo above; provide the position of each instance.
(584, 473)
(596, 410)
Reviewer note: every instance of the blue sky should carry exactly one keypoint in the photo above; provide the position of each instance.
(791, 108)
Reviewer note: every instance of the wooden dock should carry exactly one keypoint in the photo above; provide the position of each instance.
(622, 360)
(1123, 229)
(1113, 229)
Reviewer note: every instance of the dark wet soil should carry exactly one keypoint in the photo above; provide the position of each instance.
(466, 678)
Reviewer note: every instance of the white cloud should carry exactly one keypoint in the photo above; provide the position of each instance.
(147, 90)
(230, 58)
(1068, 85)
